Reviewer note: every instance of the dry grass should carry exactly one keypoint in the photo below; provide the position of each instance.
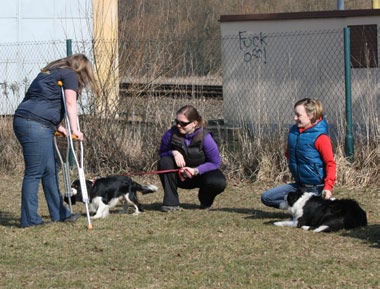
(234, 245)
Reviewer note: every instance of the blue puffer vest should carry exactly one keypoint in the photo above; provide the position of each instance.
(305, 162)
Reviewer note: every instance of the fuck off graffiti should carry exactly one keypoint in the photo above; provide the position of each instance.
(253, 46)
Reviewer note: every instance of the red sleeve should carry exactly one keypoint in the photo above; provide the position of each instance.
(324, 147)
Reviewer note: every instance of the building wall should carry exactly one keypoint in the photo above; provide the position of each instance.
(40, 20)
(33, 33)
(270, 61)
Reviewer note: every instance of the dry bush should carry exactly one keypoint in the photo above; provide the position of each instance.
(118, 145)
(10, 151)
(130, 141)
(361, 172)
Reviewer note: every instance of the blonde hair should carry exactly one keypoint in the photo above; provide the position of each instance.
(80, 64)
(313, 108)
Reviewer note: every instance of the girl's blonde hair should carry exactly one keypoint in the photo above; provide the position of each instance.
(313, 108)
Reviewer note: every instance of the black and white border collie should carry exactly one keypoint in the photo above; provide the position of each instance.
(106, 192)
(312, 212)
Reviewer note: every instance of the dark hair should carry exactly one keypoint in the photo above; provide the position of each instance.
(192, 114)
(313, 108)
(82, 67)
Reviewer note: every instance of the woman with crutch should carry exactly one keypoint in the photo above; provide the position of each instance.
(36, 119)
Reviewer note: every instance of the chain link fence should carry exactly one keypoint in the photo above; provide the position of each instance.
(238, 82)
(265, 74)
(21, 62)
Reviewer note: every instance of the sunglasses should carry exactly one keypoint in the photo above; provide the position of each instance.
(182, 123)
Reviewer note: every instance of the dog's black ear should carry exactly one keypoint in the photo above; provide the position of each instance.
(73, 200)
(75, 184)
(89, 184)
(299, 192)
(293, 197)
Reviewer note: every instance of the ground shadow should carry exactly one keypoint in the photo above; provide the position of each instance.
(251, 213)
(8, 219)
(157, 206)
(370, 234)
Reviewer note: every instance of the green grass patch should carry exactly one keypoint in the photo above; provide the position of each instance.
(233, 245)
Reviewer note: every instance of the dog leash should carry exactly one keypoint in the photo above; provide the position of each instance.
(182, 173)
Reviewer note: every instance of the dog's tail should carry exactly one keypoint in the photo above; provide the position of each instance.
(148, 189)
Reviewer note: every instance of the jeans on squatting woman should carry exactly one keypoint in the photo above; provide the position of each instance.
(188, 146)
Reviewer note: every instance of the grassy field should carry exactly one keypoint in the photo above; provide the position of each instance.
(233, 245)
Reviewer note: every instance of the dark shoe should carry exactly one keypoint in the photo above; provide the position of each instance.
(44, 223)
(73, 218)
(36, 225)
(170, 208)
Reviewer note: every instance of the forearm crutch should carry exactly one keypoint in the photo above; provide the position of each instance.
(79, 164)
(65, 168)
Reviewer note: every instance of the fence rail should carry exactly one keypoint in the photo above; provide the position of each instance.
(172, 90)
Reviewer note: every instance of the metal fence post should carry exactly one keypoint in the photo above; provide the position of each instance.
(340, 4)
(69, 49)
(349, 140)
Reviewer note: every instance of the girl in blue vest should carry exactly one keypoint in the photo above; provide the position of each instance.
(189, 147)
(309, 153)
(36, 119)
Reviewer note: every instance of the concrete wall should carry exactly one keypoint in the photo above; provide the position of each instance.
(33, 33)
(272, 60)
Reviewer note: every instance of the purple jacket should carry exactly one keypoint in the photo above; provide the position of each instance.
(210, 149)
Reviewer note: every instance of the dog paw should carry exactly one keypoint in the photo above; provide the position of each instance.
(306, 228)
(321, 229)
(287, 223)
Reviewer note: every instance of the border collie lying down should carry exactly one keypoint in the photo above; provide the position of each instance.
(312, 212)
(106, 192)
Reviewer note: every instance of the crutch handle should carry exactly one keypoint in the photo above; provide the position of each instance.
(60, 134)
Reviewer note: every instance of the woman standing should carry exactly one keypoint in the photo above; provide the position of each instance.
(36, 119)
(188, 146)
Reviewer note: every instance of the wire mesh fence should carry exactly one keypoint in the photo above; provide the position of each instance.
(20, 64)
(244, 81)
(264, 75)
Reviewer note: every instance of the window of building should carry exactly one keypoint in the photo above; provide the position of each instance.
(363, 42)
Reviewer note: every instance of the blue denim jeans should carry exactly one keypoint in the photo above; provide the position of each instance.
(274, 196)
(41, 165)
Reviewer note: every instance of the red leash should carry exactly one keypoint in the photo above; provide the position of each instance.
(180, 173)
(154, 172)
